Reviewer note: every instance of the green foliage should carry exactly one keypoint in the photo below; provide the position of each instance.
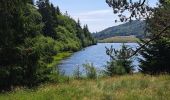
(18, 61)
(63, 28)
(69, 40)
(91, 71)
(36, 56)
(32, 68)
(120, 62)
(156, 54)
(156, 57)
(30, 40)
(32, 20)
(47, 17)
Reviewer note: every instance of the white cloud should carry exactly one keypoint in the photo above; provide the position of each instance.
(97, 12)
(93, 15)
(97, 20)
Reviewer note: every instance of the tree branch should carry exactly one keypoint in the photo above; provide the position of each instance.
(157, 36)
(143, 3)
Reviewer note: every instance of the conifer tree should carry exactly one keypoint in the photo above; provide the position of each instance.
(156, 53)
(58, 11)
(48, 12)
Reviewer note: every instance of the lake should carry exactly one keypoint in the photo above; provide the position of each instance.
(95, 54)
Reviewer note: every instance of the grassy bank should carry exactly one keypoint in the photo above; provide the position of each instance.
(59, 57)
(129, 87)
(120, 39)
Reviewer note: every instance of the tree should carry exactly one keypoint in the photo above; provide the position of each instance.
(48, 12)
(79, 33)
(137, 9)
(20, 58)
(120, 63)
(12, 35)
(58, 11)
(156, 53)
(156, 57)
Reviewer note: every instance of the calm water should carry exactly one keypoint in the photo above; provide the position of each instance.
(94, 54)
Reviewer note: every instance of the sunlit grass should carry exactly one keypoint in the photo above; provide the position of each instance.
(120, 39)
(59, 57)
(129, 87)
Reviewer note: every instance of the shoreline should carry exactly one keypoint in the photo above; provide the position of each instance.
(63, 55)
(59, 57)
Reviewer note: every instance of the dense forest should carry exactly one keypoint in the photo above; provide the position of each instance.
(30, 35)
(135, 27)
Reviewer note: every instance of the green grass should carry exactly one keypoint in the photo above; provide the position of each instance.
(57, 58)
(120, 39)
(128, 87)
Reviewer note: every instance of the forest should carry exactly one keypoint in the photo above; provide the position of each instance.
(30, 35)
(35, 36)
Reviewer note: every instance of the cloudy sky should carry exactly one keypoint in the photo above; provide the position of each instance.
(95, 13)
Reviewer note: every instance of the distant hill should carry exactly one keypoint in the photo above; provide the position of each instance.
(135, 28)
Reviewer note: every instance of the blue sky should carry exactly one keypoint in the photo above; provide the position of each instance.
(95, 13)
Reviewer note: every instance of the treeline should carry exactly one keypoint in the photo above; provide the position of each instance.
(68, 33)
(30, 35)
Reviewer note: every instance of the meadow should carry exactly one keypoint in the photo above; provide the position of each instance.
(120, 39)
(127, 87)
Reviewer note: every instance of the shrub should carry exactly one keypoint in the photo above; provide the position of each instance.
(120, 62)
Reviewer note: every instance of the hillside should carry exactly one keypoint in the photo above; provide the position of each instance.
(135, 28)
(128, 87)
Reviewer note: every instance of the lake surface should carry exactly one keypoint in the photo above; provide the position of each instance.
(95, 54)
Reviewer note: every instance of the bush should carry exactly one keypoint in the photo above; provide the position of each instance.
(120, 62)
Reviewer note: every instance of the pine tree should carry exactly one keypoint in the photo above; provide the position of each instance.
(48, 12)
(20, 55)
(12, 36)
(156, 57)
(58, 11)
(156, 54)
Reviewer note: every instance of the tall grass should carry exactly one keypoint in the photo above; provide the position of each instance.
(129, 87)
(91, 71)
